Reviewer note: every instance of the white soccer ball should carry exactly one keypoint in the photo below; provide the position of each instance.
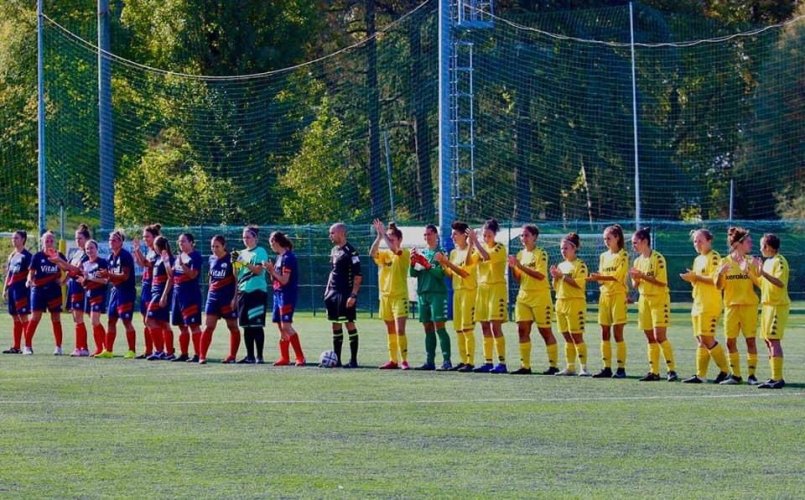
(328, 359)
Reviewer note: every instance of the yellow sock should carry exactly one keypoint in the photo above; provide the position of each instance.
(720, 358)
(581, 352)
(702, 360)
(735, 363)
(751, 361)
(525, 354)
(469, 343)
(620, 352)
(489, 344)
(654, 358)
(500, 346)
(606, 353)
(776, 368)
(553, 354)
(570, 355)
(393, 347)
(402, 340)
(462, 347)
(668, 354)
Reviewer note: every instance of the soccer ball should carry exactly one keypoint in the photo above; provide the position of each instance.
(328, 359)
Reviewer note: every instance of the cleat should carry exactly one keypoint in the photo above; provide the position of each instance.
(499, 368)
(722, 376)
(584, 372)
(58, 351)
(484, 368)
(620, 373)
(389, 365)
(282, 362)
(467, 368)
(693, 380)
(105, 355)
(567, 372)
(352, 364)
(168, 357)
(181, 358)
(604, 373)
(767, 384)
(229, 360)
(522, 371)
(260, 361)
(752, 380)
(458, 367)
(143, 356)
(426, 367)
(84, 353)
(552, 370)
(778, 384)
(202, 361)
(156, 356)
(27, 351)
(194, 359)
(405, 366)
(130, 355)
(300, 362)
(76, 353)
(446, 366)
(246, 361)
(650, 377)
(12, 350)
(732, 380)
(672, 376)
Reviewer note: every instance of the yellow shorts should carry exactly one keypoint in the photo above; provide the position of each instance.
(534, 308)
(464, 309)
(570, 315)
(490, 303)
(773, 320)
(612, 309)
(653, 312)
(392, 308)
(739, 319)
(704, 324)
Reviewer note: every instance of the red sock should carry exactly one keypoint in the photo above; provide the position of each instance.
(297, 347)
(81, 336)
(111, 335)
(100, 336)
(206, 340)
(149, 344)
(234, 342)
(158, 339)
(184, 342)
(58, 335)
(19, 329)
(196, 336)
(131, 339)
(167, 334)
(284, 347)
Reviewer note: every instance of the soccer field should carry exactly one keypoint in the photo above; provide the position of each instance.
(121, 428)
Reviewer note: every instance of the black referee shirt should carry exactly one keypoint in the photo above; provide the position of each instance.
(345, 265)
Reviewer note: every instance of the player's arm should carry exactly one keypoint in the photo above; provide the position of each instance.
(189, 270)
(519, 269)
(775, 277)
(283, 278)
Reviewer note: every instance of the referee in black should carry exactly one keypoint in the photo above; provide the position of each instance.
(341, 294)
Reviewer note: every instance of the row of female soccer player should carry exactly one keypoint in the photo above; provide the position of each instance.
(478, 271)
(170, 297)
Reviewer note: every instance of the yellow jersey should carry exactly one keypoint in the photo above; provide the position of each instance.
(465, 260)
(617, 266)
(392, 272)
(493, 270)
(536, 260)
(706, 296)
(577, 270)
(739, 286)
(654, 266)
(771, 295)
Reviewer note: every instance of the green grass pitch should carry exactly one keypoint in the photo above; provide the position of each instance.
(118, 428)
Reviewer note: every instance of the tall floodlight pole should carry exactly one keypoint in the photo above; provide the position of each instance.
(634, 125)
(40, 114)
(446, 201)
(105, 137)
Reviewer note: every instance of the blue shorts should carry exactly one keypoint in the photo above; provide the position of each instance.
(19, 299)
(145, 298)
(283, 311)
(95, 304)
(46, 298)
(75, 296)
(121, 304)
(220, 306)
(186, 309)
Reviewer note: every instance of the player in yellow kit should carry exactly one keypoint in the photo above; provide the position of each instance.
(569, 281)
(461, 267)
(775, 300)
(533, 305)
(613, 270)
(737, 277)
(492, 297)
(706, 307)
(392, 269)
(650, 276)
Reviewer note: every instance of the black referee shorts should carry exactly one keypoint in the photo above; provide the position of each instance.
(336, 304)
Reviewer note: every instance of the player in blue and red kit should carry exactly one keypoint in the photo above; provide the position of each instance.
(186, 309)
(221, 301)
(15, 291)
(284, 273)
(44, 280)
(158, 307)
(75, 290)
(94, 279)
(147, 261)
(122, 296)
